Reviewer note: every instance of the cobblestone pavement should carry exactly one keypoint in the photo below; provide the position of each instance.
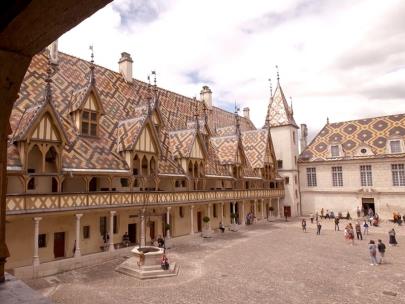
(264, 263)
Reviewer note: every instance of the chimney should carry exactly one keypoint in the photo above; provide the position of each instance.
(304, 136)
(206, 96)
(53, 52)
(125, 66)
(246, 112)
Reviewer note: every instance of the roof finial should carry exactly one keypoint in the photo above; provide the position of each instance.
(291, 106)
(48, 80)
(278, 74)
(196, 114)
(155, 88)
(92, 78)
(237, 119)
(271, 87)
(327, 120)
(149, 96)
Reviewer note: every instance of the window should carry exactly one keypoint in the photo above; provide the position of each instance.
(334, 151)
(366, 176)
(115, 224)
(279, 164)
(337, 177)
(398, 174)
(311, 177)
(181, 211)
(86, 232)
(124, 182)
(287, 180)
(214, 210)
(31, 184)
(42, 240)
(103, 225)
(363, 151)
(295, 179)
(89, 123)
(395, 146)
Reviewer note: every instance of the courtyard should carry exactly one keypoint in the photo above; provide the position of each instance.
(269, 262)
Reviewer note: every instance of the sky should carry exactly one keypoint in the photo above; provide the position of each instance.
(337, 58)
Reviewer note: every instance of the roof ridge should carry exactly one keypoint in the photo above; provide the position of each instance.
(366, 118)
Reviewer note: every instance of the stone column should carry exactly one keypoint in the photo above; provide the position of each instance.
(278, 207)
(209, 215)
(77, 251)
(262, 207)
(222, 213)
(111, 241)
(242, 204)
(192, 219)
(35, 259)
(255, 210)
(142, 241)
(232, 211)
(168, 221)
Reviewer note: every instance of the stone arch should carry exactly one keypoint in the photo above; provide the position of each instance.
(35, 160)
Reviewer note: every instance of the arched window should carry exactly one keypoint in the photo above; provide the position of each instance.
(144, 166)
(34, 160)
(137, 166)
(152, 165)
(51, 161)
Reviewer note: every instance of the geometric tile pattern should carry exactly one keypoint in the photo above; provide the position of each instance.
(128, 132)
(255, 145)
(181, 142)
(226, 148)
(352, 135)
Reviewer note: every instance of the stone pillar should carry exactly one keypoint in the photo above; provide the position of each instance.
(111, 241)
(77, 251)
(278, 207)
(255, 210)
(262, 207)
(233, 221)
(192, 219)
(209, 215)
(142, 241)
(168, 221)
(222, 213)
(35, 259)
(242, 204)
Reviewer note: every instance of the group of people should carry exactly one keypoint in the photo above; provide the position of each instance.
(373, 248)
(397, 218)
(250, 217)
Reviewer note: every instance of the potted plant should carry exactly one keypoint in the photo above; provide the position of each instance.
(206, 231)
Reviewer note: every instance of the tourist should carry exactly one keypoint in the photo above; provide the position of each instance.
(348, 215)
(365, 228)
(125, 239)
(164, 262)
(304, 225)
(318, 228)
(336, 223)
(322, 213)
(332, 214)
(161, 242)
(370, 212)
(221, 227)
(372, 248)
(351, 233)
(376, 220)
(392, 240)
(358, 212)
(358, 231)
(311, 216)
(381, 250)
(316, 217)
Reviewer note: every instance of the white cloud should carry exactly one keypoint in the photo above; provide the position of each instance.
(339, 59)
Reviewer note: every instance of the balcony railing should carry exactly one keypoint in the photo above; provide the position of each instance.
(36, 203)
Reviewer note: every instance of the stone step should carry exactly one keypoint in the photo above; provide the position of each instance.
(151, 273)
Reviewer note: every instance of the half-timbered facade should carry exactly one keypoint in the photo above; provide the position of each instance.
(94, 154)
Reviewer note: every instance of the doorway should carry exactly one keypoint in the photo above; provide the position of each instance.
(152, 230)
(59, 245)
(287, 211)
(199, 221)
(132, 233)
(367, 203)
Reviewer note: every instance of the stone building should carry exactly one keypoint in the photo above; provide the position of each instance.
(359, 163)
(94, 153)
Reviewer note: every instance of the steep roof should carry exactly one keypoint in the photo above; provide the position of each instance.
(279, 113)
(255, 145)
(369, 133)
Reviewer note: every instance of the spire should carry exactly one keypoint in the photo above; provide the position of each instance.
(327, 120)
(291, 106)
(149, 96)
(271, 88)
(196, 114)
(278, 75)
(92, 78)
(155, 89)
(237, 120)
(48, 81)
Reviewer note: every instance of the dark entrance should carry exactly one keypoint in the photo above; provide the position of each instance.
(367, 203)
(132, 233)
(59, 244)
(199, 221)
(287, 211)
(152, 230)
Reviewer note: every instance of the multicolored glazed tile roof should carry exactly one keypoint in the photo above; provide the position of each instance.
(255, 145)
(125, 108)
(363, 138)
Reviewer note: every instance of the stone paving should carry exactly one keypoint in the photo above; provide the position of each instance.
(263, 263)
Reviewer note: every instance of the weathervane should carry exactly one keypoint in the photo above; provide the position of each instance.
(92, 79)
(278, 74)
(237, 119)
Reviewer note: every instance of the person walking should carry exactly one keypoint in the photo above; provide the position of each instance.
(372, 249)
(351, 233)
(304, 225)
(381, 250)
(337, 224)
(358, 212)
(392, 239)
(316, 217)
(311, 216)
(365, 228)
(358, 231)
(318, 228)
(322, 213)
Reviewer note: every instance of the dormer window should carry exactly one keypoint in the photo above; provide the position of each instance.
(395, 146)
(334, 151)
(89, 123)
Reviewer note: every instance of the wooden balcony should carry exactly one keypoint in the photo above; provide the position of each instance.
(56, 202)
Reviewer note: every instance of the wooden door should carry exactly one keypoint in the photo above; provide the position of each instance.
(59, 244)
(199, 221)
(132, 233)
(152, 230)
